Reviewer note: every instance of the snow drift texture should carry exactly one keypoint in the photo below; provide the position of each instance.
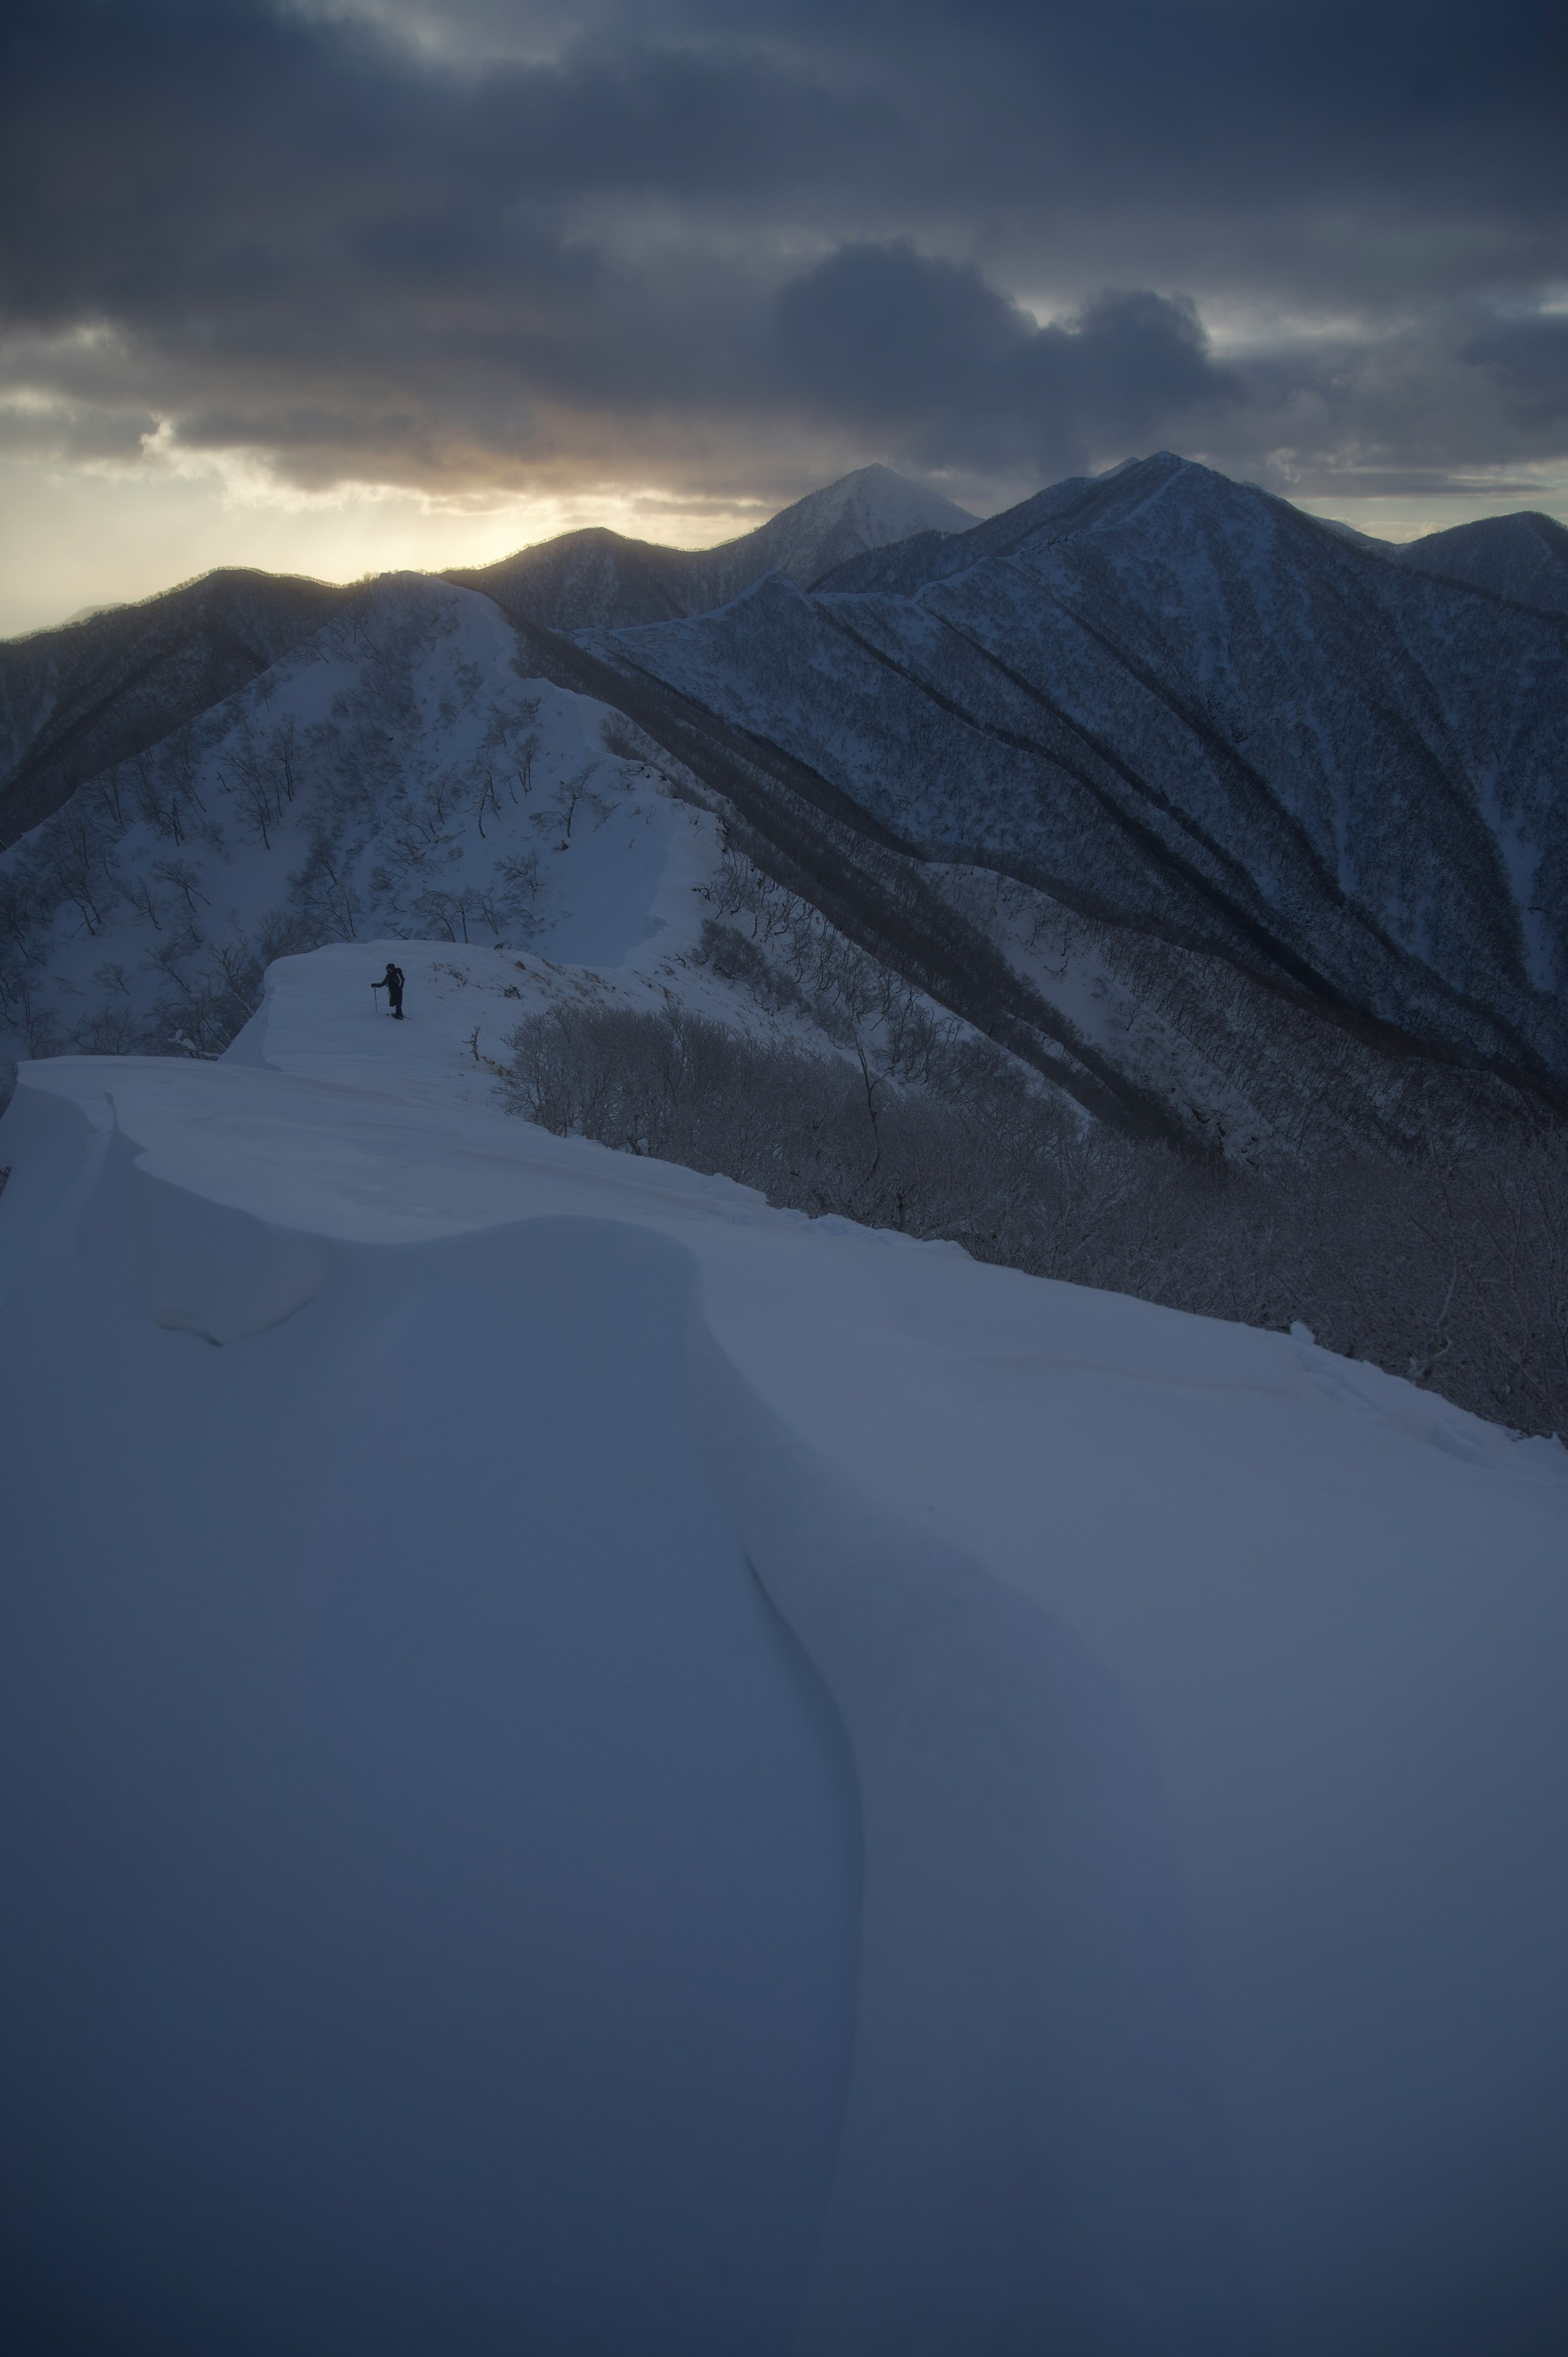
(591, 1768)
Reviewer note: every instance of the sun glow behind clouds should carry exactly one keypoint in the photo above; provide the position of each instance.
(73, 536)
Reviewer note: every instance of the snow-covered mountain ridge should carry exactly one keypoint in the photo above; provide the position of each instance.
(1522, 557)
(1171, 702)
(396, 775)
(874, 508)
(73, 700)
(599, 577)
(1240, 835)
(113, 682)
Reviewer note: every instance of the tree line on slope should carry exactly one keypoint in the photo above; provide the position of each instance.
(1451, 1269)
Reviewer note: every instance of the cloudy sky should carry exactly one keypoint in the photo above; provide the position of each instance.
(335, 285)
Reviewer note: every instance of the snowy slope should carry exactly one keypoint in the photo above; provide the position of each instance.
(397, 775)
(601, 1768)
(1170, 700)
(873, 508)
(99, 688)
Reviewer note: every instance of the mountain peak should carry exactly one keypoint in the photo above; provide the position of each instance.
(870, 507)
(596, 579)
(1523, 557)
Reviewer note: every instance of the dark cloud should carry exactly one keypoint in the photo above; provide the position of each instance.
(924, 352)
(1529, 360)
(505, 243)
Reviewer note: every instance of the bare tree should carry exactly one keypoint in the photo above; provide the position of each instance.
(570, 794)
(181, 878)
(285, 748)
(19, 908)
(139, 892)
(256, 788)
(110, 797)
(486, 800)
(76, 854)
(324, 886)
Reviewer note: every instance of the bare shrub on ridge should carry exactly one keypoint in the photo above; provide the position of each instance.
(1451, 1269)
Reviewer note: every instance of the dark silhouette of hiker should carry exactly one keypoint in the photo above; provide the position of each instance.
(391, 983)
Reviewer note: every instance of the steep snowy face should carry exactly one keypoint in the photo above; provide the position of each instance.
(871, 509)
(1524, 558)
(398, 775)
(98, 690)
(1168, 698)
(596, 579)
(598, 1768)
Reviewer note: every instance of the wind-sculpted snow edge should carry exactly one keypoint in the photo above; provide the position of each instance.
(1032, 2146)
(1166, 1936)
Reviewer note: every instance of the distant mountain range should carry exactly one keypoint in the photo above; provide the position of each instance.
(107, 683)
(104, 688)
(1243, 831)
(596, 579)
(1523, 557)
(1170, 702)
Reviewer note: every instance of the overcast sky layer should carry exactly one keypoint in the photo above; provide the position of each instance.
(334, 284)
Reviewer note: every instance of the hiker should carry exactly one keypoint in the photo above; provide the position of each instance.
(391, 983)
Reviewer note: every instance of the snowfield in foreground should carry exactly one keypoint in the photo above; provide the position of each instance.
(594, 1768)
